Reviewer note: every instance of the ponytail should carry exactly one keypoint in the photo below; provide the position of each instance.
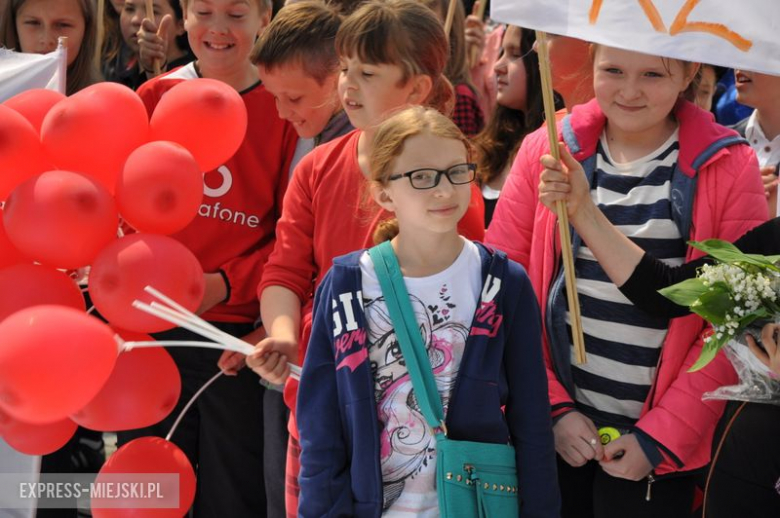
(386, 230)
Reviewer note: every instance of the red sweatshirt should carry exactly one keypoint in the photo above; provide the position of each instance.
(327, 213)
(234, 232)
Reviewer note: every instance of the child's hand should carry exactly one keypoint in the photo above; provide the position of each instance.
(153, 42)
(577, 440)
(231, 362)
(624, 458)
(269, 360)
(559, 184)
(770, 354)
(475, 37)
(769, 179)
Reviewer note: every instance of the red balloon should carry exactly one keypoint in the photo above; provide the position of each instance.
(95, 130)
(151, 455)
(142, 390)
(21, 153)
(53, 360)
(35, 439)
(9, 255)
(26, 285)
(61, 219)
(160, 188)
(123, 269)
(213, 132)
(35, 104)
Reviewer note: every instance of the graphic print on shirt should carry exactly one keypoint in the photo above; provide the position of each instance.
(407, 444)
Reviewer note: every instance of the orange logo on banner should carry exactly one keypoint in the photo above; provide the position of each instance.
(680, 23)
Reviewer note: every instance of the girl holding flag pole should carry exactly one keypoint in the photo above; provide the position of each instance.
(663, 172)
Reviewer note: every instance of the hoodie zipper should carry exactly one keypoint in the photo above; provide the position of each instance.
(650, 480)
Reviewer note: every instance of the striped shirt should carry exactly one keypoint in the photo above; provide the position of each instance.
(623, 343)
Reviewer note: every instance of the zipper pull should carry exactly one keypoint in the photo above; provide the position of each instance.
(650, 480)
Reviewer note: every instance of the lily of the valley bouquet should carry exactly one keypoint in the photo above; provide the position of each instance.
(737, 294)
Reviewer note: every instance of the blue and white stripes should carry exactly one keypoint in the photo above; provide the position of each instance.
(623, 343)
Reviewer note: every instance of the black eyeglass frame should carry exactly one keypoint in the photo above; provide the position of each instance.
(472, 167)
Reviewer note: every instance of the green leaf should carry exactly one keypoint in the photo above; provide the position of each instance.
(751, 317)
(708, 352)
(726, 252)
(713, 305)
(686, 292)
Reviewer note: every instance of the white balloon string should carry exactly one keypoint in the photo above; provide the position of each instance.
(189, 404)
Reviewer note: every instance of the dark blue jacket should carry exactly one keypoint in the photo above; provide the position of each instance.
(502, 366)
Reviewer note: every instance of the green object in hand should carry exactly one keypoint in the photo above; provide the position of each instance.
(607, 434)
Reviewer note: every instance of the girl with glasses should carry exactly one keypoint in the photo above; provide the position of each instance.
(392, 54)
(367, 449)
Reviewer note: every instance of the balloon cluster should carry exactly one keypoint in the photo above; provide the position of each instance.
(90, 183)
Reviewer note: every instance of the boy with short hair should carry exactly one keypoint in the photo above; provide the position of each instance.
(297, 61)
(236, 425)
(762, 127)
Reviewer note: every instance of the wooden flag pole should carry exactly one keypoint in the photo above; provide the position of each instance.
(150, 14)
(449, 18)
(101, 34)
(563, 217)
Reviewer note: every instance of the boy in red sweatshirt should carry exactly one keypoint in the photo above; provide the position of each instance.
(224, 434)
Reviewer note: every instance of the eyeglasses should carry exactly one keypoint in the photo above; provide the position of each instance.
(429, 178)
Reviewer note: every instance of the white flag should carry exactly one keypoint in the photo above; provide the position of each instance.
(720, 32)
(20, 71)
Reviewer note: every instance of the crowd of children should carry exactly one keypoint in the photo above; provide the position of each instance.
(368, 124)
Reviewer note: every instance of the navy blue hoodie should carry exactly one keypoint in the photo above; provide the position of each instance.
(502, 366)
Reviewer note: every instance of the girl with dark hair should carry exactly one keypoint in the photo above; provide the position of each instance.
(519, 111)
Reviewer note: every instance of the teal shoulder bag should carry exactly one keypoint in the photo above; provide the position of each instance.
(474, 479)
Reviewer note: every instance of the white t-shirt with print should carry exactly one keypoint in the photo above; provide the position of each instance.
(444, 305)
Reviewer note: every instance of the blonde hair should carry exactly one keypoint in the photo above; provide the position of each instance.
(389, 142)
(402, 33)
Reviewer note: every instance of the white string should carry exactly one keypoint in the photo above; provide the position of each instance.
(189, 404)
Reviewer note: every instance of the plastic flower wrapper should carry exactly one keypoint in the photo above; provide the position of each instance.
(738, 293)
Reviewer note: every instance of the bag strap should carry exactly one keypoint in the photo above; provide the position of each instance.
(407, 332)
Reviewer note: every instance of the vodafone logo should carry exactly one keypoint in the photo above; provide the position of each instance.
(218, 210)
(227, 183)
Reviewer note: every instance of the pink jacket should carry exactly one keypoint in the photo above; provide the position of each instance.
(728, 201)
